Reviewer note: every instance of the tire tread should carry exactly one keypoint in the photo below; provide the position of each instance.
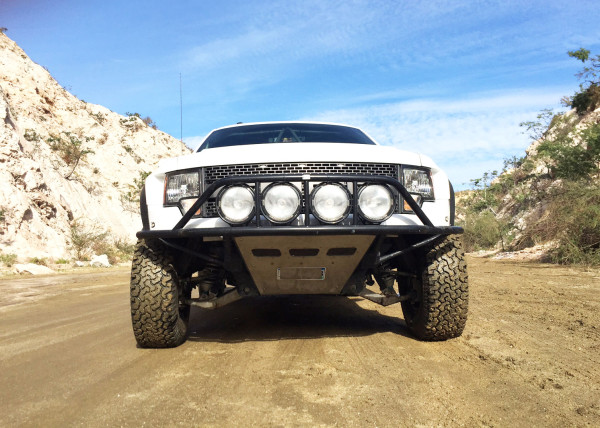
(154, 297)
(442, 314)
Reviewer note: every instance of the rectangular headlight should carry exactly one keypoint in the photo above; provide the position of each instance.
(418, 181)
(181, 185)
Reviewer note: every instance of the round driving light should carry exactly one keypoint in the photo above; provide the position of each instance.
(375, 203)
(281, 202)
(330, 202)
(235, 204)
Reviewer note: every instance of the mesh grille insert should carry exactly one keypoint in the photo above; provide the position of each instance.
(214, 173)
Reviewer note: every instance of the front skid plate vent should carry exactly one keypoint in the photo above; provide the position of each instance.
(214, 173)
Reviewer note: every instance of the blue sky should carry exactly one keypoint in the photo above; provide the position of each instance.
(451, 79)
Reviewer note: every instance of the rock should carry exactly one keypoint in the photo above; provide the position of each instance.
(79, 263)
(100, 261)
(32, 269)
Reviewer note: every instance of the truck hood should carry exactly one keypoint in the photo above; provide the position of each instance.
(293, 152)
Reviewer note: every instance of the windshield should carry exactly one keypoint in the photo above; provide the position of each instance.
(284, 133)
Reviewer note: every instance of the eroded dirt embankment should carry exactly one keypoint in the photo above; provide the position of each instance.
(530, 356)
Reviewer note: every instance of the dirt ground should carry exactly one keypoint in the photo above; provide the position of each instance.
(530, 356)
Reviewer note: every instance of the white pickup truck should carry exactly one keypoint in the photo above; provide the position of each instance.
(297, 208)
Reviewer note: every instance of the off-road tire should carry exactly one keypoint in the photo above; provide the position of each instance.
(440, 293)
(159, 319)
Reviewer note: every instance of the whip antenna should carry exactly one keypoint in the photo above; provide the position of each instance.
(181, 114)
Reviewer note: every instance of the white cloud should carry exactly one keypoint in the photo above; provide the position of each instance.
(466, 137)
(221, 52)
(410, 33)
(272, 50)
(284, 35)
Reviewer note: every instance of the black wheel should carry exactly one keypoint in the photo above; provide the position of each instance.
(158, 314)
(438, 307)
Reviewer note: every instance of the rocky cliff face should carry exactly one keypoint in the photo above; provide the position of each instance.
(63, 160)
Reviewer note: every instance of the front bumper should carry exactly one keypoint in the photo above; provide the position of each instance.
(300, 231)
(258, 227)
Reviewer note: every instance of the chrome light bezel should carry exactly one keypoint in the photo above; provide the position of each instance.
(426, 195)
(416, 191)
(317, 215)
(390, 210)
(173, 200)
(246, 219)
(269, 215)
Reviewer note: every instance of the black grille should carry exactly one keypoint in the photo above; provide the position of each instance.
(214, 173)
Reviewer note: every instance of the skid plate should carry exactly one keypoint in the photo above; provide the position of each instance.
(302, 264)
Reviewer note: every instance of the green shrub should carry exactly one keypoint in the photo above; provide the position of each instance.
(538, 128)
(572, 220)
(588, 97)
(98, 117)
(69, 148)
(483, 231)
(125, 248)
(89, 240)
(133, 194)
(62, 262)
(569, 252)
(103, 138)
(117, 249)
(8, 259)
(86, 240)
(148, 121)
(132, 123)
(587, 100)
(572, 159)
(38, 261)
(31, 135)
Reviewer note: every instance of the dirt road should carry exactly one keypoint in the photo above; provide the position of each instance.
(530, 356)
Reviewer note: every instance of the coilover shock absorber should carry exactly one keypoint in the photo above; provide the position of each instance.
(385, 277)
(211, 279)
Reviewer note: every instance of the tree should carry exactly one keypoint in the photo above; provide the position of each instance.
(538, 128)
(570, 159)
(591, 73)
(70, 149)
(588, 97)
(148, 121)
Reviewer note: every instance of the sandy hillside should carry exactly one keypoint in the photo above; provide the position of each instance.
(43, 187)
